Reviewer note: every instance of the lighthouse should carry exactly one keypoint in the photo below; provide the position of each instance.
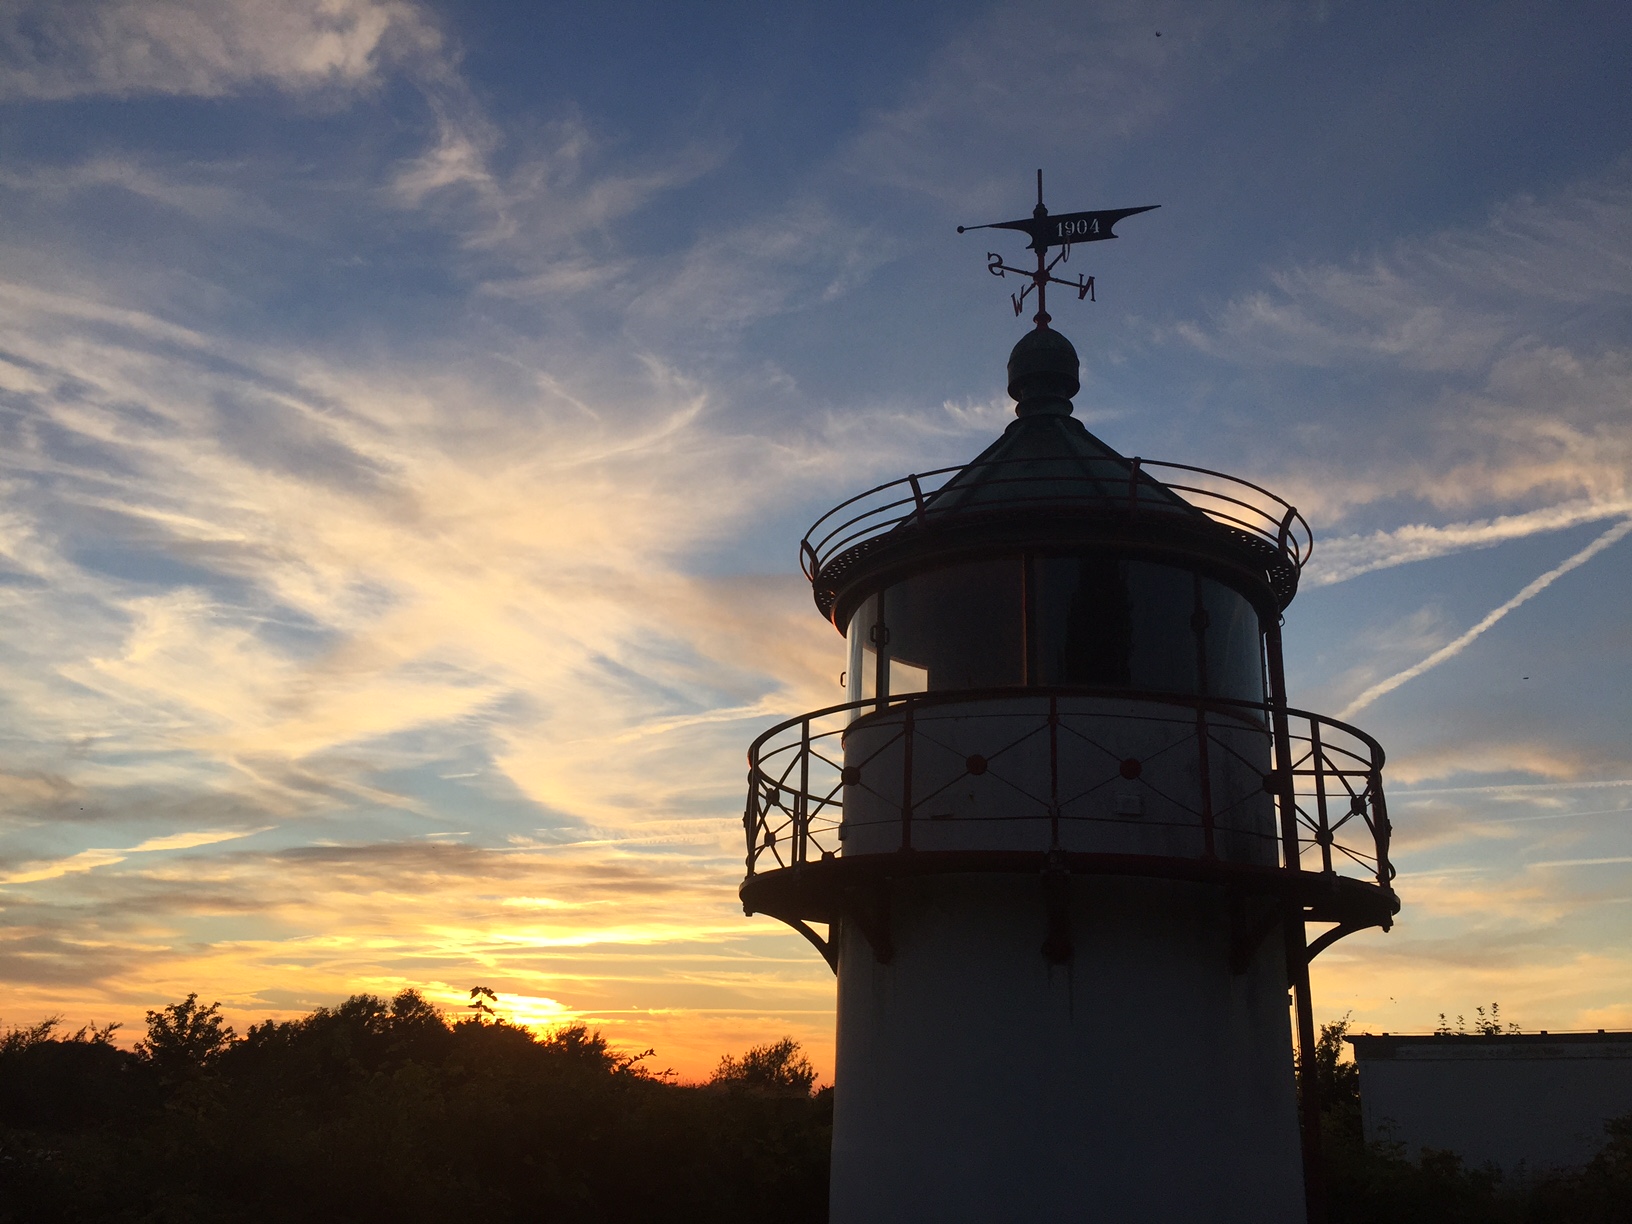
(1063, 843)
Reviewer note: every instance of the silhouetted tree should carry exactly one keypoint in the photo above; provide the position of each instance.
(1337, 1080)
(184, 1038)
(56, 1084)
(778, 1067)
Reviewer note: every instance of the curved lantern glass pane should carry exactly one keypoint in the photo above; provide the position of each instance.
(1100, 620)
(957, 628)
(1235, 647)
(1088, 619)
(862, 673)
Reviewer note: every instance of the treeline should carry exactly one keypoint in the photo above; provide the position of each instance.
(388, 1110)
(385, 1110)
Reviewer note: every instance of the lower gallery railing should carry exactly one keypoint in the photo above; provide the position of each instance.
(1078, 770)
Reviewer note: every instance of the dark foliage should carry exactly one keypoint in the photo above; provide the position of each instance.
(384, 1110)
(1483, 1025)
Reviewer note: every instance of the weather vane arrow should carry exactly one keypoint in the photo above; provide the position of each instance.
(1062, 230)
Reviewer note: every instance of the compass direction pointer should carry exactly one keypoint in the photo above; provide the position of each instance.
(1062, 230)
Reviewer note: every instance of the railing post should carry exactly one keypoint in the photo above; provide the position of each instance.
(801, 822)
(1323, 833)
(1380, 828)
(1297, 940)
(917, 498)
(1297, 964)
(1285, 792)
(1204, 765)
(1053, 771)
(906, 775)
(1286, 527)
(1133, 484)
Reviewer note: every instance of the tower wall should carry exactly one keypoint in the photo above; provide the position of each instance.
(1141, 1081)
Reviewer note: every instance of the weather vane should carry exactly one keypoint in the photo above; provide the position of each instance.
(1046, 231)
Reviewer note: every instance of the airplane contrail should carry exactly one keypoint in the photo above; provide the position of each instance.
(1451, 649)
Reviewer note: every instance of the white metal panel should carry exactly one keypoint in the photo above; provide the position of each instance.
(1141, 1083)
(1522, 1105)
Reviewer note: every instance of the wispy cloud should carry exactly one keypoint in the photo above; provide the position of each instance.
(532, 196)
(601, 934)
(1584, 862)
(1480, 752)
(203, 48)
(1108, 79)
(89, 860)
(729, 279)
(260, 611)
(190, 841)
(1523, 788)
(1495, 372)
(1350, 556)
(1458, 645)
(1446, 302)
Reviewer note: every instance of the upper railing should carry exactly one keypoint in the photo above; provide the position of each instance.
(1325, 776)
(1124, 486)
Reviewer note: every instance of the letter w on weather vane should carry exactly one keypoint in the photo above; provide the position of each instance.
(1057, 231)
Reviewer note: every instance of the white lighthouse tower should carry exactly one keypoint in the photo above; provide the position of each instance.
(1066, 834)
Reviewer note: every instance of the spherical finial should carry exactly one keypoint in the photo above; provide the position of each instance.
(1043, 373)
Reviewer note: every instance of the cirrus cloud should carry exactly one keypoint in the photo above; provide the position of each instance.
(203, 48)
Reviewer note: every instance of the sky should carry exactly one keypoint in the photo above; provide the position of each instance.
(409, 413)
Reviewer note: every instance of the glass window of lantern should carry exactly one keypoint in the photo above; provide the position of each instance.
(1162, 647)
(956, 628)
(1094, 620)
(1235, 659)
(1082, 614)
(862, 674)
(1102, 621)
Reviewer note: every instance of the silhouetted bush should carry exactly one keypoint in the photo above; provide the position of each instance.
(778, 1067)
